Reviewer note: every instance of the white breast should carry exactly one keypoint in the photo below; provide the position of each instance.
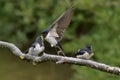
(38, 48)
(85, 56)
(35, 51)
(51, 39)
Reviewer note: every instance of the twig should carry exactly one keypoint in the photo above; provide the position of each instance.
(61, 59)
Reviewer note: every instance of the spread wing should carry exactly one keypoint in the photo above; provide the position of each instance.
(59, 26)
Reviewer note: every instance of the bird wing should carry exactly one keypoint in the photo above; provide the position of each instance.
(81, 52)
(59, 26)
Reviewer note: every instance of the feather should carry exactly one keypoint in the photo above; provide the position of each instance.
(59, 26)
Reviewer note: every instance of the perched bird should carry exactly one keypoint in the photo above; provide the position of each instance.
(36, 48)
(84, 53)
(54, 33)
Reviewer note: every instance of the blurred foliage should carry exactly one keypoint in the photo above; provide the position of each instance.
(95, 22)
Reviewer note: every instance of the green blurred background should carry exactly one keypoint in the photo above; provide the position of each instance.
(95, 22)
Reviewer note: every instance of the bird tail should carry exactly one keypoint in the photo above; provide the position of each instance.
(76, 53)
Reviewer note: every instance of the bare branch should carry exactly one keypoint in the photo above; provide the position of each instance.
(62, 59)
(12, 47)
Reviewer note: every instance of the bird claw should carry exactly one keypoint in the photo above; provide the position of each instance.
(35, 60)
(58, 52)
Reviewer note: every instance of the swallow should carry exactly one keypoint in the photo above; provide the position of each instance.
(54, 33)
(84, 53)
(36, 48)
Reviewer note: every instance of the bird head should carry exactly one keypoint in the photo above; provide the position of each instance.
(44, 33)
(88, 47)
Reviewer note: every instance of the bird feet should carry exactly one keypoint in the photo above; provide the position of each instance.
(60, 51)
(35, 61)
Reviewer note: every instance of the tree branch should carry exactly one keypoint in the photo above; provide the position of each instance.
(62, 59)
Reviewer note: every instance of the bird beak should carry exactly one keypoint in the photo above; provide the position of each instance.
(42, 37)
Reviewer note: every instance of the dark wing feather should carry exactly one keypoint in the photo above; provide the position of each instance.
(59, 26)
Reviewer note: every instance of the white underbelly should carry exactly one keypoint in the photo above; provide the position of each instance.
(51, 40)
(37, 50)
(85, 56)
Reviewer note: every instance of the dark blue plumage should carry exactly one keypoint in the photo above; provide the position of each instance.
(45, 31)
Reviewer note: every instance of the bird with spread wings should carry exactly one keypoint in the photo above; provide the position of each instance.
(54, 33)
